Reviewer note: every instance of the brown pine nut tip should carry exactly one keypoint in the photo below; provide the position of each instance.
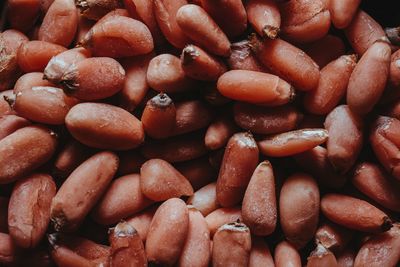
(10, 100)
(161, 100)
(351, 59)
(59, 221)
(393, 34)
(123, 229)
(68, 80)
(271, 31)
(387, 224)
(189, 53)
(82, 4)
(254, 42)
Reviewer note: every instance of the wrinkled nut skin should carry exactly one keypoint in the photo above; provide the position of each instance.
(222, 216)
(167, 233)
(113, 127)
(95, 9)
(242, 58)
(29, 209)
(286, 255)
(11, 123)
(25, 150)
(77, 196)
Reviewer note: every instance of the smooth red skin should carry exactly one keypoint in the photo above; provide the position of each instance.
(263, 13)
(118, 36)
(5, 108)
(29, 209)
(60, 23)
(104, 126)
(286, 255)
(11, 123)
(22, 14)
(29, 80)
(242, 58)
(325, 50)
(141, 221)
(222, 216)
(199, 172)
(362, 32)
(3, 215)
(342, 12)
(25, 150)
(34, 55)
(260, 254)
(230, 15)
(205, 199)
(7, 249)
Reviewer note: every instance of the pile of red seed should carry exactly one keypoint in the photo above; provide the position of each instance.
(224, 133)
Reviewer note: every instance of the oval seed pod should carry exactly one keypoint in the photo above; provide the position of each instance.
(363, 31)
(380, 250)
(231, 245)
(22, 15)
(230, 15)
(7, 249)
(371, 180)
(165, 74)
(60, 23)
(161, 181)
(346, 258)
(345, 130)
(264, 17)
(304, 20)
(260, 254)
(342, 12)
(199, 172)
(201, 28)
(354, 213)
(255, 87)
(325, 50)
(127, 249)
(11, 123)
(240, 160)
(10, 41)
(321, 256)
(196, 250)
(158, 116)
(299, 222)
(293, 142)
(86, 79)
(5, 107)
(96, 9)
(29, 209)
(104, 126)
(219, 132)
(259, 210)
(384, 138)
(109, 38)
(25, 150)
(205, 199)
(60, 63)
(123, 198)
(199, 65)
(363, 95)
(288, 62)
(77, 196)
(261, 120)
(333, 237)
(30, 104)
(29, 80)
(242, 58)
(168, 232)
(141, 221)
(286, 255)
(35, 55)
(332, 85)
(222, 216)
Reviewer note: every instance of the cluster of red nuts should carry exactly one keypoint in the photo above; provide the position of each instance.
(197, 133)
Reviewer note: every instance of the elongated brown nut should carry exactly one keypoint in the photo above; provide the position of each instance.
(362, 95)
(196, 251)
(123, 198)
(95, 9)
(363, 31)
(354, 213)
(333, 237)
(11, 123)
(287, 61)
(321, 257)
(346, 258)
(22, 15)
(332, 85)
(255, 87)
(199, 65)
(205, 199)
(231, 245)
(7, 249)
(262, 120)
(259, 210)
(260, 254)
(77, 196)
(201, 28)
(158, 116)
(141, 221)
(168, 232)
(388, 244)
(293, 142)
(104, 126)
(342, 12)
(108, 38)
(127, 249)
(219, 132)
(385, 141)
(325, 50)
(229, 15)
(240, 160)
(265, 17)
(371, 180)
(29, 209)
(199, 172)
(242, 58)
(286, 255)
(160, 181)
(29, 80)
(299, 223)
(25, 150)
(222, 216)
